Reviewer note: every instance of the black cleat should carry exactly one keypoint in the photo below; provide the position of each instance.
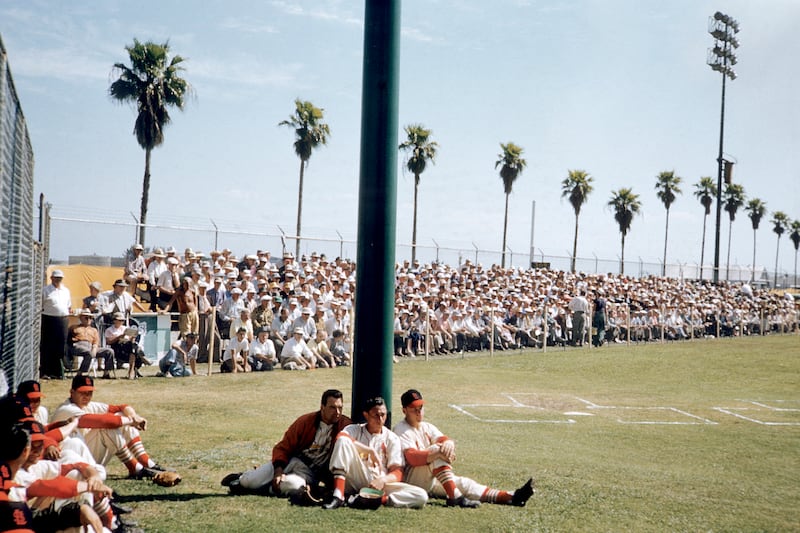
(523, 494)
(143, 473)
(463, 502)
(227, 480)
(335, 503)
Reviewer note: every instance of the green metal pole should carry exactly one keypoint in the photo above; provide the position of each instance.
(377, 199)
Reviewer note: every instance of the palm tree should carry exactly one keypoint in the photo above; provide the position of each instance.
(511, 165)
(795, 238)
(154, 83)
(780, 222)
(309, 132)
(667, 186)
(625, 204)
(756, 209)
(576, 186)
(420, 150)
(705, 191)
(733, 199)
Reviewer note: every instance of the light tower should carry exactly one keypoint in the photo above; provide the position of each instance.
(721, 59)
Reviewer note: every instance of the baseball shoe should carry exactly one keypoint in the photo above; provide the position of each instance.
(335, 503)
(230, 478)
(523, 494)
(463, 502)
(143, 473)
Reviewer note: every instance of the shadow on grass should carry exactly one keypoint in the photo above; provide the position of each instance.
(168, 497)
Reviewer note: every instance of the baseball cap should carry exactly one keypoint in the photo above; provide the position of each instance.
(57, 274)
(82, 384)
(120, 283)
(35, 429)
(190, 334)
(412, 397)
(30, 389)
(299, 331)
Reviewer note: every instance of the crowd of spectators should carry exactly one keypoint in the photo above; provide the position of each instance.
(441, 308)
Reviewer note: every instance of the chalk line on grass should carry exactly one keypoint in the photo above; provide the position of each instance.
(761, 406)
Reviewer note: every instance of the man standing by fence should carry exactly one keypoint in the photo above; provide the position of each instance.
(56, 308)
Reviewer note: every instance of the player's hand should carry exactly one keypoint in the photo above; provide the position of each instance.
(52, 453)
(448, 451)
(139, 422)
(276, 483)
(378, 483)
(94, 484)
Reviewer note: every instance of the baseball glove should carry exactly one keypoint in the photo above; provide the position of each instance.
(167, 479)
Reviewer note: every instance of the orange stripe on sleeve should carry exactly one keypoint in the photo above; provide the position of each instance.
(60, 487)
(107, 421)
(416, 457)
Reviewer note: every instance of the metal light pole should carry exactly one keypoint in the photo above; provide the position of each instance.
(721, 59)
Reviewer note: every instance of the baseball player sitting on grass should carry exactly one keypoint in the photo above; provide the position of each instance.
(369, 455)
(108, 429)
(300, 459)
(429, 456)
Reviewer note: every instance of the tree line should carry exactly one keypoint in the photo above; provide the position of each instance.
(154, 83)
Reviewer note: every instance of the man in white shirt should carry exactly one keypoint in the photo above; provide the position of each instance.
(56, 308)
(370, 455)
(429, 455)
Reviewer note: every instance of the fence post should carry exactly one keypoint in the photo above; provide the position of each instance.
(216, 234)
(341, 243)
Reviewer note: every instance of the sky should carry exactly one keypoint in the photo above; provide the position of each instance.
(618, 88)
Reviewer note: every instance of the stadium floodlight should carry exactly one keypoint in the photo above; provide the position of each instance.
(721, 58)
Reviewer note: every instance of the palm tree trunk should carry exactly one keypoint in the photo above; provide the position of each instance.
(505, 229)
(299, 209)
(753, 273)
(728, 259)
(777, 250)
(575, 244)
(666, 234)
(145, 196)
(414, 228)
(795, 267)
(703, 246)
(622, 258)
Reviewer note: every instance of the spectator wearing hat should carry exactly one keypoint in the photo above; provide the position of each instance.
(84, 341)
(56, 308)
(119, 300)
(183, 351)
(167, 283)
(306, 323)
(156, 267)
(135, 268)
(96, 300)
(295, 354)
(262, 316)
(230, 309)
(204, 311)
(244, 321)
(124, 346)
(263, 356)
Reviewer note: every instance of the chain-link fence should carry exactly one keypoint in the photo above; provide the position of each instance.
(114, 235)
(20, 255)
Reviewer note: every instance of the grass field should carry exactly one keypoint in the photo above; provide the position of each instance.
(698, 436)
